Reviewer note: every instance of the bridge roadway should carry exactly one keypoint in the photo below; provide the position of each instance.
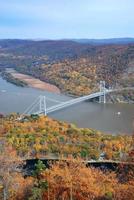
(74, 101)
(61, 105)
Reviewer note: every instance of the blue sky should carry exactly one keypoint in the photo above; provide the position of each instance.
(56, 19)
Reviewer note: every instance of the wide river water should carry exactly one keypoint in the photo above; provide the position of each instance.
(110, 118)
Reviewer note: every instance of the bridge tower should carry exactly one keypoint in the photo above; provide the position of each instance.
(102, 98)
(42, 105)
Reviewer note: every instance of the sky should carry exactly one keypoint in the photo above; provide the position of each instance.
(60, 19)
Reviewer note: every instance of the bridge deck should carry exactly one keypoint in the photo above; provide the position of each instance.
(61, 105)
(74, 101)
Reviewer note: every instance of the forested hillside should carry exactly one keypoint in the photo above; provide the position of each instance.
(75, 67)
(42, 137)
(35, 136)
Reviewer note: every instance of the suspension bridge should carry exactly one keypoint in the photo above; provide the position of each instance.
(39, 105)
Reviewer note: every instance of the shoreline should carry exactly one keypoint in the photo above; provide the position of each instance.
(36, 83)
(33, 82)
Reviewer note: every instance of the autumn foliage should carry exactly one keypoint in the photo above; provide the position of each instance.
(69, 178)
(35, 136)
(72, 180)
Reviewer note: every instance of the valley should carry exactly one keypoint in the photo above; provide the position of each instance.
(74, 67)
(71, 152)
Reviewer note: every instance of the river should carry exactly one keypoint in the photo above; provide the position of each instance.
(110, 118)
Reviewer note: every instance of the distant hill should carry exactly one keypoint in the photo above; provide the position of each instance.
(75, 66)
(13, 43)
(105, 41)
(56, 50)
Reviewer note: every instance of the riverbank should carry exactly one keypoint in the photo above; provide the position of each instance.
(86, 114)
(9, 78)
(123, 96)
(33, 82)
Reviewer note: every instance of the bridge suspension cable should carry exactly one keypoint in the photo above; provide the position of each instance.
(27, 111)
(41, 101)
(53, 100)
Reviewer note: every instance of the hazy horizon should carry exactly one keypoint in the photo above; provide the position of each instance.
(51, 39)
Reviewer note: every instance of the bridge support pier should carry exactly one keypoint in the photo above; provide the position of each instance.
(102, 99)
(42, 104)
